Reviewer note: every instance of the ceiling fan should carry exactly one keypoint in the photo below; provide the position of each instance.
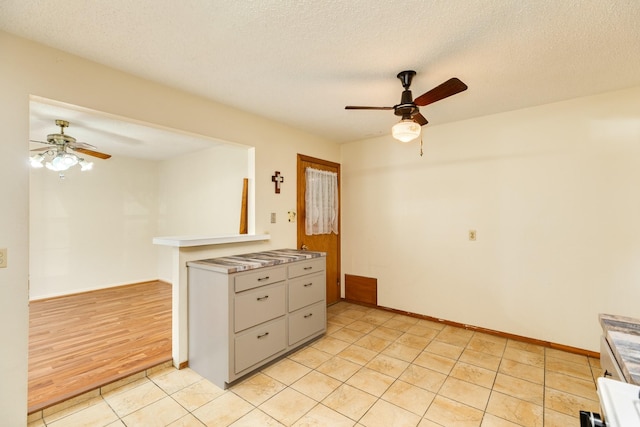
(411, 119)
(57, 144)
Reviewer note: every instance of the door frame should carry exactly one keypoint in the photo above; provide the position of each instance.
(300, 208)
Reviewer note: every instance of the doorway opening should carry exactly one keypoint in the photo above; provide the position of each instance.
(92, 231)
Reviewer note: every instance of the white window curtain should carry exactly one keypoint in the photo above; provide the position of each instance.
(321, 202)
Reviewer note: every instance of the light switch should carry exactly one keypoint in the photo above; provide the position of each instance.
(273, 217)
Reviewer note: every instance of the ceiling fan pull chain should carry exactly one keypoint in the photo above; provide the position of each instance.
(421, 146)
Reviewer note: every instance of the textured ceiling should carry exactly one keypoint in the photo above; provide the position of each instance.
(300, 62)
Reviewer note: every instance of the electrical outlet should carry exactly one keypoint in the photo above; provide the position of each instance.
(273, 217)
(3, 258)
(472, 234)
(292, 216)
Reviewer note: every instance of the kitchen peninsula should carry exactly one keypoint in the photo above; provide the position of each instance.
(182, 250)
(247, 310)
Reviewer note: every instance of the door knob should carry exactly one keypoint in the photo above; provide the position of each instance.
(304, 247)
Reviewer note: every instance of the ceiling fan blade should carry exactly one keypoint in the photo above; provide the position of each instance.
(43, 149)
(419, 119)
(446, 89)
(91, 153)
(82, 145)
(352, 107)
(41, 142)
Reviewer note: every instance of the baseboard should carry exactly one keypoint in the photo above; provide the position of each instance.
(88, 290)
(542, 343)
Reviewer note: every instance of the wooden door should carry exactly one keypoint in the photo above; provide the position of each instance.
(329, 243)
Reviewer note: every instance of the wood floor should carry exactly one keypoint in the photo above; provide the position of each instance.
(83, 341)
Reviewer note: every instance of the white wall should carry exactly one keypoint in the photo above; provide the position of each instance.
(92, 229)
(201, 194)
(32, 69)
(554, 194)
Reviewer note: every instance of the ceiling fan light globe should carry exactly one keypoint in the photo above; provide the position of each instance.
(406, 130)
(70, 159)
(61, 162)
(51, 167)
(36, 161)
(85, 166)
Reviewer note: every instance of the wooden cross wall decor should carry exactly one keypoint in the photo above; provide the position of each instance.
(278, 179)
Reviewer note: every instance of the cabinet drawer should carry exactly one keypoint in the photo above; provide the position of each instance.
(306, 290)
(307, 321)
(306, 267)
(259, 305)
(259, 343)
(264, 276)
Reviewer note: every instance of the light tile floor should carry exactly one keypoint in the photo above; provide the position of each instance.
(373, 368)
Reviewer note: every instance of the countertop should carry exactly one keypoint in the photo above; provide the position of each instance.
(244, 262)
(623, 335)
(191, 241)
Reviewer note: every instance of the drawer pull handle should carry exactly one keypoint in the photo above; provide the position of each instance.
(261, 279)
(306, 316)
(262, 298)
(306, 285)
(308, 268)
(262, 335)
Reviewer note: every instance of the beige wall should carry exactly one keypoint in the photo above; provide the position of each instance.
(32, 69)
(554, 194)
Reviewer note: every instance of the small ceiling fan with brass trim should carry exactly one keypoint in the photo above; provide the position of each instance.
(61, 159)
(408, 128)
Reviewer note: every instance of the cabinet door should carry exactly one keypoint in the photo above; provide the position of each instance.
(259, 305)
(306, 290)
(307, 321)
(259, 343)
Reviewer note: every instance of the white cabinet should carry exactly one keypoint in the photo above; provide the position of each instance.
(239, 321)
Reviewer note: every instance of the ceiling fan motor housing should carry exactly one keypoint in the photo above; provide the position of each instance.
(60, 138)
(406, 109)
